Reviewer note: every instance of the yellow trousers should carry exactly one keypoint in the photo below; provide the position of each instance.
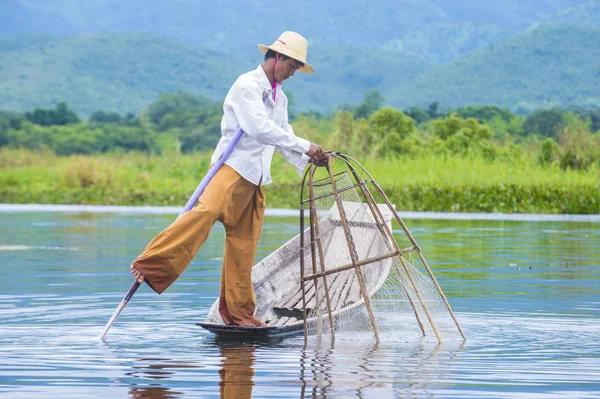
(240, 206)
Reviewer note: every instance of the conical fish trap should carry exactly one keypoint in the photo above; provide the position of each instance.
(356, 272)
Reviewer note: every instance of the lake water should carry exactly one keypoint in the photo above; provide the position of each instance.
(525, 292)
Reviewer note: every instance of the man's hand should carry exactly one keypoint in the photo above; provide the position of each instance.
(321, 161)
(317, 155)
(315, 152)
(136, 274)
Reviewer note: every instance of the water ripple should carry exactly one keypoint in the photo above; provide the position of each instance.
(532, 333)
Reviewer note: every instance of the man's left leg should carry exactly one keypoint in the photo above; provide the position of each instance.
(237, 300)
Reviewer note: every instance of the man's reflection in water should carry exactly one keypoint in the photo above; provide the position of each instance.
(237, 370)
(151, 392)
(156, 369)
(236, 373)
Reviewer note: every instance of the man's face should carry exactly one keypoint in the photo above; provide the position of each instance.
(286, 68)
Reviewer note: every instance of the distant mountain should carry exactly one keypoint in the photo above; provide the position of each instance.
(547, 66)
(439, 30)
(22, 41)
(109, 72)
(343, 75)
(126, 72)
(440, 43)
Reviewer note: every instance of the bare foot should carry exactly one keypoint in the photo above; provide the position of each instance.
(136, 274)
(253, 322)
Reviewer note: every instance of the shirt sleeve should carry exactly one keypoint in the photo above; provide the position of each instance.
(299, 160)
(254, 121)
(296, 159)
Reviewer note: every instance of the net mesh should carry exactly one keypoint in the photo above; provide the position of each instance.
(386, 294)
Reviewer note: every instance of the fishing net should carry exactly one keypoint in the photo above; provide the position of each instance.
(383, 291)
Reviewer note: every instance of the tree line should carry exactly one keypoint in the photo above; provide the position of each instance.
(181, 122)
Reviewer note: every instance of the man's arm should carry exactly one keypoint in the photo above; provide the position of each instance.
(254, 121)
(313, 155)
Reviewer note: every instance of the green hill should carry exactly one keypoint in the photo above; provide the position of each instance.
(344, 75)
(22, 41)
(547, 66)
(441, 43)
(126, 72)
(109, 72)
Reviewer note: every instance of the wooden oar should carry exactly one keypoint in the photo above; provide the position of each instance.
(124, 301)
(190, 204)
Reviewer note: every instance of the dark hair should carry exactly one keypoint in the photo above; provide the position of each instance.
(282, 57)
(272, 54)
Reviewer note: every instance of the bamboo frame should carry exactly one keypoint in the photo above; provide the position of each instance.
(356, 264)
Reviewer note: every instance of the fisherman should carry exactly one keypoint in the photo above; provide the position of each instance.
(235, 196)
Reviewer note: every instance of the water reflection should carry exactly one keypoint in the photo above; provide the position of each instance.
(320, 371)
(526, 294)
(237, 370)
(346, 369)
(153, 392)
(155, 369)
(375, 370)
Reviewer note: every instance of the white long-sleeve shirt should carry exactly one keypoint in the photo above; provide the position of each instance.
(249, 106)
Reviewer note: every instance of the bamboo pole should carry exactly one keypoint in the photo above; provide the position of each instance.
(314, 222)
(351, 265)
(302, 286)
(312, 248)
(352, 250)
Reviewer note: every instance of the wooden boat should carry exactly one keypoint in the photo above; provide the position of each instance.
(277, 278)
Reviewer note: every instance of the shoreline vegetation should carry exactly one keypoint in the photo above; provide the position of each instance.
(471, 159)
(454, 184)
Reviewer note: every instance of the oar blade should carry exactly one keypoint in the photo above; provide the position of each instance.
(124, 301)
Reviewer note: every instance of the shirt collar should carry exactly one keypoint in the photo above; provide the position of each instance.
(264, 81)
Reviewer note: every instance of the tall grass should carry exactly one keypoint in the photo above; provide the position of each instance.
(431, 183)
(20, 157)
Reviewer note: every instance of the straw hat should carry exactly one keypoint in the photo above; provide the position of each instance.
(294, 46)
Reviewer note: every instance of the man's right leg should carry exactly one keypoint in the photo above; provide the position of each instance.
(171, 251)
